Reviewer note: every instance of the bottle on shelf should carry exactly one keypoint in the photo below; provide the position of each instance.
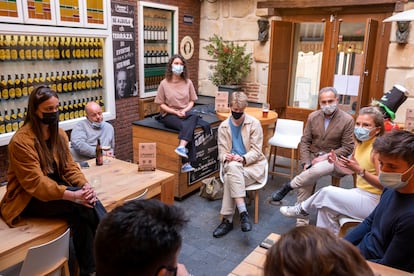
(100, 47)
(69, 81)
(71, 110)
(17, 86)
(27, 48)
(33, 46)
(39, 47)
(64, 82)
(20, 118)
(75, 109)
(23, 84)
(99, 153)
(47, 81)
(21, 47)
(100, 78)
(55, 47)
(13, 120)
(2, 124)
(4, 88)
(66, 111)
(80, 108)
(7, 40)
(87, 79)
(52, 84)
(86, 47)
(10, 87)
(7, 122)
(30, 84)
(41, 79)
(14, 55)
(36, 81)
(2, 49)
(68, 52)
(74, 81)
(91, 49)
(46, 48)
(73, 47)
(58, 83)
(101, 103)
(61, 113)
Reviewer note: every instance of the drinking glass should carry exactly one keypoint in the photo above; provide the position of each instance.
(106, 158)
(265, 109)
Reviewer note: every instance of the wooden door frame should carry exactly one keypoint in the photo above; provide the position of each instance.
(376, 83)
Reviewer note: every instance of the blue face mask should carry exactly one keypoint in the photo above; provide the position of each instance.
(96, 125)
(177, 69)
(362, 133)
(393, 180)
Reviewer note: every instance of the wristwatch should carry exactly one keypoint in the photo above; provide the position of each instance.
(361, 173)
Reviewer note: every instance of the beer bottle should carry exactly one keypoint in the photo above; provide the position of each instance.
(66, 110)
(99, 153)
(46, 48)
(75, 109)
(39, 47)
(36, 81)
(101, 103)
(41, 79)
(74, 78)
(7, 55)
(13, 48)
(30, 84)
(27, 49)
(88, 79)
(52, 84)
(10, 86)
(64, 82)
(4, 88)
(80, 108)
(23, 84)
(58, 82)
(33, 45)
(83, 79)
(69, 81)
(61, 114)
(100, 78)
(17, 86)
(86, 46)
(7, 122)
(20, 118)
(71, 111)
(14, 122)
(2, 48)
(20, 47)
(2, 124)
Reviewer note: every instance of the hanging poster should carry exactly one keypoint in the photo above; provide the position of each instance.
(123, 37)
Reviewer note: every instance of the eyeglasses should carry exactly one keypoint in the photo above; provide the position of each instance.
(168, 268)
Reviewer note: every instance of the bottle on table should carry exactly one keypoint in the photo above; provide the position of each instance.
(99, 153)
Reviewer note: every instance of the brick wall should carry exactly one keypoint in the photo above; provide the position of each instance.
(127, 110)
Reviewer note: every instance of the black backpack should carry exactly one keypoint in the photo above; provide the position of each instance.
(391, 101)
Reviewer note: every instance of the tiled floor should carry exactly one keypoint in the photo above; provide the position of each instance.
(205, 255)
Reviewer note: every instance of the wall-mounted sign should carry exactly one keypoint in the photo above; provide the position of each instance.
(187, 47)
(188, 19)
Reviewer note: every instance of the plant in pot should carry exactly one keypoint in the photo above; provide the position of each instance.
(233, 64)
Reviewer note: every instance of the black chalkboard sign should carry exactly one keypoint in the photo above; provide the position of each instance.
(206, 155)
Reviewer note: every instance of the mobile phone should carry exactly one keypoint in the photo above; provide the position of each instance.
(267, 243)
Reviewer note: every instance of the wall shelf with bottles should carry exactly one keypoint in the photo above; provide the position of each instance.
(159, 27)
(75, 64)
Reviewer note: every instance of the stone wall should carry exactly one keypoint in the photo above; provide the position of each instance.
(234, 20)
(400, 66)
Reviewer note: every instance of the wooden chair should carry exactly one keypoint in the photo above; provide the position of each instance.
(287, 135)
(50, 258)
(253, 188)
(347, 223)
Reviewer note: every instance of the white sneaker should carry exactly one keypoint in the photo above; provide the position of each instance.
(294, 212)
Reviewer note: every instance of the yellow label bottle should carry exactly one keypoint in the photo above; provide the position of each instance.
(23, 83)
(10, 86)
(13, 48)
(2, 124)
(17, 86)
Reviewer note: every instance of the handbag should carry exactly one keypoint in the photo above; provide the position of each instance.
(211, 188)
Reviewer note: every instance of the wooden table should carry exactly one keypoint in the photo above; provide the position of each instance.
(119, 180)
(257, 113)
(254, 262)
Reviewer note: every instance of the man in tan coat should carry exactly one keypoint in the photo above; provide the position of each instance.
(240, 139)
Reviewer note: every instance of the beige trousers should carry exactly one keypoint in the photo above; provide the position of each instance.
(235, 182)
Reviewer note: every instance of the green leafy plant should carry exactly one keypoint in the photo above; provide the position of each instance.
(233, 64)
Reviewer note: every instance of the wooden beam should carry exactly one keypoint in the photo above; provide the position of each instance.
(291, 4)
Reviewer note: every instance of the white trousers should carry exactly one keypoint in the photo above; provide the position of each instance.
(333, 201)
(235, 182)
(305, 181)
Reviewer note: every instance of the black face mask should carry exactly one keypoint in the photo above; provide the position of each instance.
(236, 115)
(50, 118)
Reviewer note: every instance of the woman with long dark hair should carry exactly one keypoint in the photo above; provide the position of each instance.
(176, 96)
(44, 181)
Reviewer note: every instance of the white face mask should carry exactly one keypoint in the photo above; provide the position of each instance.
(394, 180)
(328, 109)
(177, 69)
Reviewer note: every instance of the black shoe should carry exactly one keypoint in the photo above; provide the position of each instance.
(245, 223)
(224, 227)
(282, 192)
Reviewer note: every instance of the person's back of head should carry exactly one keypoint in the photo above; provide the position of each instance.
(313, 251)
(140, 237)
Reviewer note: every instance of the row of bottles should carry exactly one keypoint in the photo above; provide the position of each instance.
(155, 31)
(70, 81)
(28, 47)
(67, 110)
(152, 83)
(13, 121)
(155, 56)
